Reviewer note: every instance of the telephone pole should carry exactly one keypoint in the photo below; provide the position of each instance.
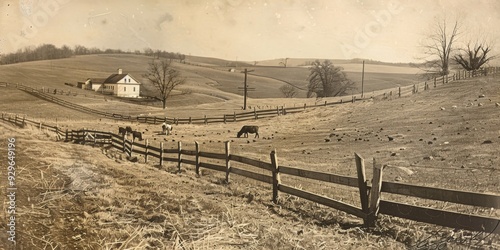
(363, 80)
(245, 89)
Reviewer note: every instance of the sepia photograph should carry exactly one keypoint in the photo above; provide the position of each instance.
(262, 124)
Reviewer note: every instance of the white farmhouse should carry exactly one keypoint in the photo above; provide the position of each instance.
(120, 84)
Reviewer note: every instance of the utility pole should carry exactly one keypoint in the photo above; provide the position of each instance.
(363, 80)
(245, 89)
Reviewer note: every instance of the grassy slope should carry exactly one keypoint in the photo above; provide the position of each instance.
(214, 80)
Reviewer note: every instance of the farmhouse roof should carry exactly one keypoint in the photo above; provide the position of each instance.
(98, 80)
(114, 78)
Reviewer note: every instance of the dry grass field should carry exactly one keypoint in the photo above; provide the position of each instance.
(72, 196)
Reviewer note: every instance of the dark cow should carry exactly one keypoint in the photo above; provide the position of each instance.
(249, 129)
(122, 131)
(137, 134)
(128, 129)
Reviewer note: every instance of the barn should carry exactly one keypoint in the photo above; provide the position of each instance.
(119, 84)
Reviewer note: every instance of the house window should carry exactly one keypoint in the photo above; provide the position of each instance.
(134, 89)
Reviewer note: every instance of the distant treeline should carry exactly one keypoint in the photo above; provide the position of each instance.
(50, 51)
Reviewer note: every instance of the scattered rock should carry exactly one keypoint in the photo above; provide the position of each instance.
(497, 104)
(429, 158)
(487, 142)
(390, 138)
(454, 106)
(429, 142)
(482, 96)
(398, 178)
(442, 108)
(394, 154)
(326, 140)
(479, 104)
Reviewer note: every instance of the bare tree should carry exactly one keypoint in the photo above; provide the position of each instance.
(439, 46)
(326, 80)
(164, 78)
(474, 55)
(284, 62)
(288, 91)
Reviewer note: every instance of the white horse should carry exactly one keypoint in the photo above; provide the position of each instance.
(166, 128)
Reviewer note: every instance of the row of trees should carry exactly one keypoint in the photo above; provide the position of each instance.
(50, 51)
(448, 43)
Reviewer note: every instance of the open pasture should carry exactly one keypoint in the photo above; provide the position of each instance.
(446, 137)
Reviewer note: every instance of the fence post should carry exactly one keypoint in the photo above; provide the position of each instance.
(66, 132)
(234, 117)
(399, 89)
(255, 113)
(278, 110)
(197, 157)
(276, 176)
(131, 146)
(228, 163)
(206, 121)
(190, 120)
(224, 118)
(123, 140)
(179, 145)
(15, 120)
(325, 103)
(146, 151)
(304, 106)
(375, 193)
(161, 154)
(154, 120)
(363, 189)
(435, 83)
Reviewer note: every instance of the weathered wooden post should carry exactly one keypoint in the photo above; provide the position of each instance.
(276, 175)
(363, 189)
(435, 82)
(146, 151)
(161, 154)
(206, 121)
(255, 113)
(399, 90)
(278, 110)
(234, 117)
(228, 163)
(224, 118)
(179, 160)
(375, 193)
(154, 120)
(190, 120)
(123, 140)
(304, 106)
(197, 158)
(66, 132)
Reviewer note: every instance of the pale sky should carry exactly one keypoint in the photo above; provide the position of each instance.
(244, 30)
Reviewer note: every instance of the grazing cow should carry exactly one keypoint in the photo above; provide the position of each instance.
(166, 128)
(249, 129)
(137, 134)
(128, 129)
(122, 131)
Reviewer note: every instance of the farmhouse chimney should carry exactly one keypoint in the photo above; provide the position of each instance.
(120, 71)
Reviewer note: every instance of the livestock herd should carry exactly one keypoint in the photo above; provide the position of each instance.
(167, 128)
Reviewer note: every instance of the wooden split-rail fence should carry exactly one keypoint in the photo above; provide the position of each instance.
(372, 203)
